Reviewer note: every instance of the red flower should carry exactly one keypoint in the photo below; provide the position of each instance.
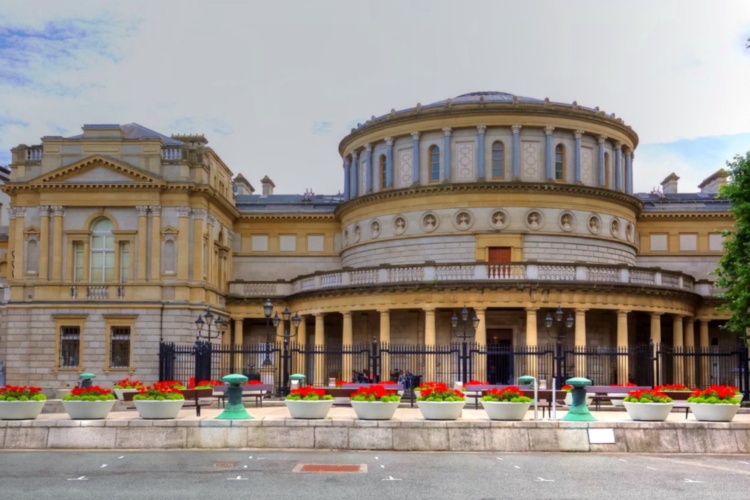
(476, 382)
(253, 382)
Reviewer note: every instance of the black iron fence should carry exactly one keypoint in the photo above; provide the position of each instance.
(411, 364)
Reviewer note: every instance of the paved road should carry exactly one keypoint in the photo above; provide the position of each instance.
(270, 474)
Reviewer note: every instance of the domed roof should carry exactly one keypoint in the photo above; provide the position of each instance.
(486, 96)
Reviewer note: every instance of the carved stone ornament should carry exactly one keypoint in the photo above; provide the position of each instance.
(534, 220)
(567, 221)
(374, 229)
(357, 234)
(429, 222)
(346, 237)
(399, 225)
(463, 220)
(595, 224)
(499, 219)
(615, 228)
(629, 232)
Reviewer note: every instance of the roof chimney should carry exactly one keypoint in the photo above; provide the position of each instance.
(713, 182)
(669, 184)
(268, 185)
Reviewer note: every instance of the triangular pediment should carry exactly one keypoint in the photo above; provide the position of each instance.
(98, 169)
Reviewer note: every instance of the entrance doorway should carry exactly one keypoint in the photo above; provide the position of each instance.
(500, 356)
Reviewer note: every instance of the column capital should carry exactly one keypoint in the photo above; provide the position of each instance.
(481, 129)
(531, 309)
(347, 162)
(155, 210)
(679, 316)
(578, 133)
(44, 211)
(142, 210)
(58, 210)
(447, 131)
(198, 213)
(601, 139)
(17, 212)
(415, 136)
(384, 311)
(581, 309)
(389, 141)
(623, 311)
(548, 130)
(618, 145)
(319, 314)
(368, 147)
(211, 219)
(656, 314)
(703, 320)
(346, 314)
(516, 128)
(183, 211)
(428, 309)
(480, 309)
(355, 154)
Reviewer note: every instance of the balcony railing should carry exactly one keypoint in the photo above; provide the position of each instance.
(475, 273)
(171, 154)
(97, 292)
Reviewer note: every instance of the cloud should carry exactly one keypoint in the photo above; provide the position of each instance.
(322, 128)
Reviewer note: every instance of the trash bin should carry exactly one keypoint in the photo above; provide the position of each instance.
(296, 380)
(86, 379)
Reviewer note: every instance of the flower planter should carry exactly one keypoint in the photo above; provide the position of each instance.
(88, 410)
(648, 412)
(168, 408)
(714, 413)
(20, 410)
(309, 408)
(441, 410)
(120, 392)
(501, 410)
(374, 410)
(616, 398)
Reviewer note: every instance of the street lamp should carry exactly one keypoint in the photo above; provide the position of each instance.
(560, 335)
(202, 348)
(267, 311)
(286, 335)
(464, 334)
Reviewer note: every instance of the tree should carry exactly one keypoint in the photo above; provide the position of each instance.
(734, 266)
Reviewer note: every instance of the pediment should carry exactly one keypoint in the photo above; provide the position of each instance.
(98, 169)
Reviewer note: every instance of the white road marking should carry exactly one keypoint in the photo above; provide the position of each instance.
(499, 458)
(621, 460)
(260, 458)
(244, 466)
(541, 479)
(390, 478)
(103, 466)
(692, 481)
(82, 478)
(121, 457)
(250, 457)
(650, 468)
(517, 467)
(382, 466)
(746, 463)
(376, 458)
(238, 478)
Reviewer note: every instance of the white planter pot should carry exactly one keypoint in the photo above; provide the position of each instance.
(441, 410)
(648, 412)
(499, 410)
(374, 410)
(309, 409)
(120, 392)
(169, 408)
(617, 398)
(88, 410)
(20, 410)
(714, 413)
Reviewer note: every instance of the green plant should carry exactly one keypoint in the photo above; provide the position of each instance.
(93, 393)
(308, 394)
(435, 392)
(510, 394)
(126, 383)
(158, 392)
(375, 393)
(647, 396)
(21, 393)
(716, 395)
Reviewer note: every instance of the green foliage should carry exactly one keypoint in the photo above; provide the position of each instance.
(395, 398)
(101, 397)
(734, 266)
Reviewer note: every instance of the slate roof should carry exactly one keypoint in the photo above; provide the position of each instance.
(135, 131)
(288, 203)
(683, 202)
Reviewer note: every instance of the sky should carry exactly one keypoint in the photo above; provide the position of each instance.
(275, 86)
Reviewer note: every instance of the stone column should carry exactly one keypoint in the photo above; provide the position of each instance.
(704, 380)
(481, 175)
(618, 165)
(531, 342)
(320, 379)
(368, 168)
(155, 243)
(622, 344)
(388, 163)
(578, 134)
(689, 365)
(549, 154)
(516, 151)
(199, 231)
(602, 139)
(580, 341)
(429, 341)
(415, 157)
(44, 244)
(354, 166)
(141, 258)
(301, 340)
(211, 258)
(677, 343)
(183, 243)
(385, 339)
(347, 179)
(57, 243)
(347, 341)
(17, 218)
(480, 337)
(447, 156)
(237, 338)
(656, 340)
(629, 173)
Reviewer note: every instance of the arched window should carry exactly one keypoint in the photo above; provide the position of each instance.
(102, 252)
(498, 160)
(434, 164)
(381, 169)
(607, 174)
(560, 163)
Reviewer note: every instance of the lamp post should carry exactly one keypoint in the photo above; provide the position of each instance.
(203, 339)
(464, 334)
(267, 311)
(559, 336)
(286, 335)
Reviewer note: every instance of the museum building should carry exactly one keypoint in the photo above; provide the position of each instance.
(509, 207)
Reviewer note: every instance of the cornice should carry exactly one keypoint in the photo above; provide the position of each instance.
(531, 187)
(686, 215)
(286, 216)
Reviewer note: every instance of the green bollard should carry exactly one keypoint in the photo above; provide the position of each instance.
(235, 409)
(579, 410)
(86, 379)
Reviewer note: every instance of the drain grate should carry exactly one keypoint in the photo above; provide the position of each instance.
(330, 468)
(225, 465)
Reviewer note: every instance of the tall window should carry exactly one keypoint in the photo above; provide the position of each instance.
(78, 261)
(498, 160)
(119, 347)
(434, 164)
(607, 175)
(102, 252)
(560, 163)
(70, 339)
(381, 169)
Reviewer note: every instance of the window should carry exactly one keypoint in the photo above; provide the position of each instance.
(32, 256)
(560, 163)
(70, 346)
(315, 243)
(607, 175)
(434, 164)
(498, 160)
(716, 242)
(259, 243)
(102, 252)
(688, 242)
(381, 169)
(78, 261)
(659, 243)
(124, 261)
(288, 242)
(170, 256)
(119, 347)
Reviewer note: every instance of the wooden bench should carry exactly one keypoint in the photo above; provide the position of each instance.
(192, 398)
(479, 390)
(254, 391)
(601, 393)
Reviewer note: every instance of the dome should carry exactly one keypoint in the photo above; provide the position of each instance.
(486, 96)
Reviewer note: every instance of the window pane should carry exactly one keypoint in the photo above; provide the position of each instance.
(69, 345)
(120, 347)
